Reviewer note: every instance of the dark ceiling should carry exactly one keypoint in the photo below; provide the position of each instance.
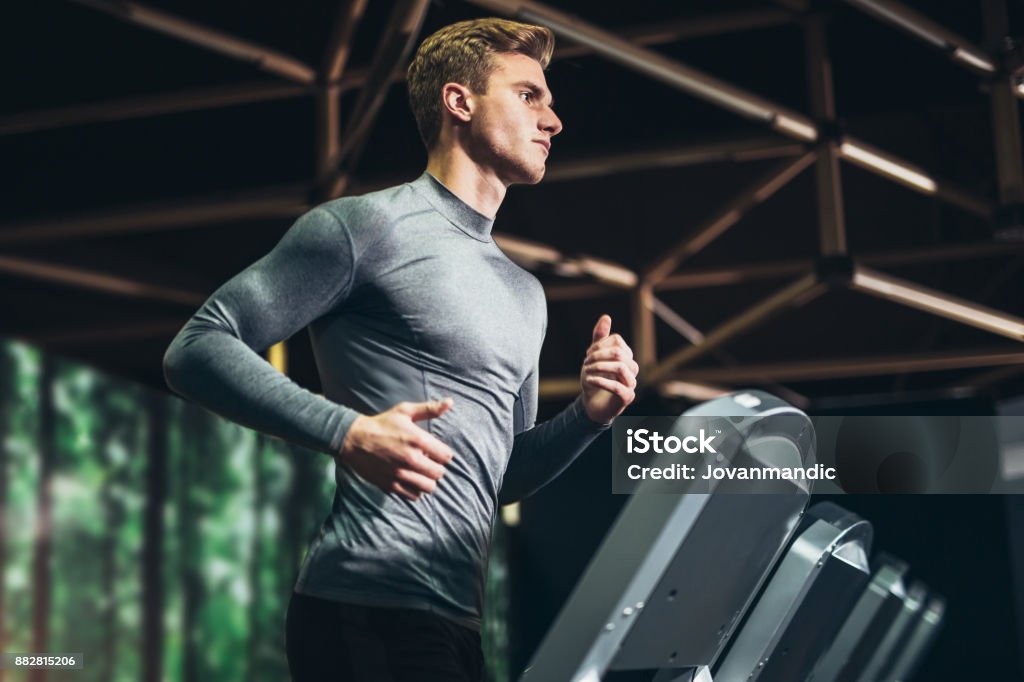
(112, 289)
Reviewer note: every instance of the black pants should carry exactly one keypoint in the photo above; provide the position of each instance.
(329, 641)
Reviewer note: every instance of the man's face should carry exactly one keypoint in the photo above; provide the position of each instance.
(513, 122)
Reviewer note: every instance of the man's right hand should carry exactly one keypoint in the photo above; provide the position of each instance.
(394, 454)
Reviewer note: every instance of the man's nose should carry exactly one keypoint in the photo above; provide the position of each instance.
(551, 124)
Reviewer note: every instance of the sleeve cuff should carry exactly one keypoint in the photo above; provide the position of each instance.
(348, 415)
(583, 419)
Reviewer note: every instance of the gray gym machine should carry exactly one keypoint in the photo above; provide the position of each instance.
(741, 581)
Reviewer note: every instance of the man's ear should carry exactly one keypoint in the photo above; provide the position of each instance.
(457, 100)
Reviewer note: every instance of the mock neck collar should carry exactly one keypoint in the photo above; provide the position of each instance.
(458, 212)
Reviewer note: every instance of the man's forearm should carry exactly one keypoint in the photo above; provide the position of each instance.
(215, 361)
(543, 452)
(215, 369)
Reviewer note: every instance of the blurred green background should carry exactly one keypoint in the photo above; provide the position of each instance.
(153, 537)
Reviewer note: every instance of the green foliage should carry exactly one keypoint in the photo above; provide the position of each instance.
(239, 511)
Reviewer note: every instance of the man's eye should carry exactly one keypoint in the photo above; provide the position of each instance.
(526, 96)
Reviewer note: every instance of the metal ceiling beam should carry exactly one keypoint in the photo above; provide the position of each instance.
(533, 255)
(92, 280)
(989, 378)
(284, 201)
(747, 272)
(842, 368)
(1005, 111)
(890, 166)
(644, 329)
(579, 292)
(627, 161)
(288, 201)
(339, 43)
(327, 147)
(675, 321)
(670, 156)
(730, 214)
(1006, 131)
(695, 279)
(941, 254)
(181, 214)
(732, 98)
(328, 95)
(692, 390)
(961, 50)
(263, 57)
(391, 55)
(103, 334)
(659, 67)
(149, 105)
(664, 32)
(558, 387)
(796, 294)
(936, 302)
(696, 337)
(341, 78)
(561, 388)
(831, 221)
(1007, 363)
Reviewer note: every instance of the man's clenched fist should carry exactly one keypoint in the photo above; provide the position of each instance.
(609, 374)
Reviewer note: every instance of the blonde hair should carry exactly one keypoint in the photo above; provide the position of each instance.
(462, 53)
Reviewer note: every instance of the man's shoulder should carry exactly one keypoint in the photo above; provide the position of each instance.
(373, 210)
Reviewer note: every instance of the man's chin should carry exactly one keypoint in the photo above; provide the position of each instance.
(524, 174)
(531, 176)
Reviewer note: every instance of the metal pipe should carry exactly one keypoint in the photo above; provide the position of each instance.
(958, 48)
(328, 99)
(676, 321)
(1005, 111)
(265, 58)
(285, 201)
(798, 293)
(102, 334)
(339, 44)
(96, 281)
(749, 272)
(659, 67)
(151, 105)
(644, 333)
(671, 156)
(936, 302)
(693, 27)
(578, 292)
(345, 78)
(392, 52)
(558, 387)
(726, 217)
(841, 368)
(288, 201)
(882, 163)
(831, 223)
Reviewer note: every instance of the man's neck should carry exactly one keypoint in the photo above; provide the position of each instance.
(481, 190)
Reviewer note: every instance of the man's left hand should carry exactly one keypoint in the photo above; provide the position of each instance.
(609, 374)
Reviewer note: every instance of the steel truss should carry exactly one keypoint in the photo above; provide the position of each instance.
(814, 145)
(834, 268)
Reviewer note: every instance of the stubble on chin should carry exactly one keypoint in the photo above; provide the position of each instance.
(515, 167)
(532, 173)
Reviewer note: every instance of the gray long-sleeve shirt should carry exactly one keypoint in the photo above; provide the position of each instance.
(407, 298)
